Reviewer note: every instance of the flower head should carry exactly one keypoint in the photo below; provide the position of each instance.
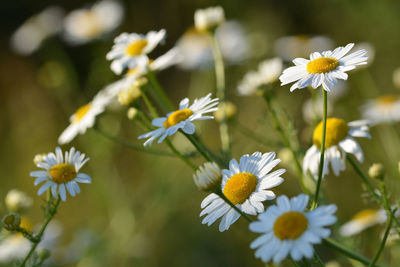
(363, 220)
(181, 119)
(323, 68)
(338, 141)
(208, 176)
(209, 19)
(130, 50)
(61, 174)
(383, 109)
(246, 186)
(17, 200)
(287, 228)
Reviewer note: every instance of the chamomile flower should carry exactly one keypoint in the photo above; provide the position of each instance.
(323, 68)
(287, 229)
(181, 119)
(209, 19)
(61, 174)
(363, 220)
(85, 116)
(268, 72)
(86, 24)
(246, 185)
(383, 109)
(130, 50)
(338, 141)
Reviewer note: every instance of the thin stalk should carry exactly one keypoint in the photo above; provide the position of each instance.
(151, 108)
(40, 234)
(286, 141)
(250, 134)
(159, 93)
(221, 94)
(221, 194)
(318, 259)
(322, 158)
(180, 155)
(382, 244)
(349, 253)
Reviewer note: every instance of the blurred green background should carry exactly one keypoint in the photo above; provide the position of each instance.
(143, 209)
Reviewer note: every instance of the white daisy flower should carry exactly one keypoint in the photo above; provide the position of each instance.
(363, 220)
(209, 19)
(323, 68)
(181, 119)
(246, 185)
(208, 176)
(86, 24)
(383, 109)
(288, 229)
(130, 50)
(268, 72)
(61, 173)
(338, 141)
(85, 116)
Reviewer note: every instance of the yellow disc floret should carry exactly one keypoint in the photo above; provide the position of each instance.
(336, 131)
(136, 47)
(81, 112)
(322, 65)
(240, 186)
(62, 173)
(290, 225)
(177, 116)
(388, 99)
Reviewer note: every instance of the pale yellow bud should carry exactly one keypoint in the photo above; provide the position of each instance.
(209, 19)
(376, 171)
(39, 158)
(11, 221)
(225, 110)
(132, 113)
(208, 176)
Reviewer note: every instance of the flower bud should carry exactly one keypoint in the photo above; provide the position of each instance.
(208, 176)
(225, 110)
(376, 171)
(209, 19)
(43, 253)
(11, 221)
(17, 200)
(132, 113)
(39, 158)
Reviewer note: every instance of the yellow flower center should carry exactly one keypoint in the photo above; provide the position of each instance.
(388, 99)
(26, 223)
(290, 225)
(81, 112)
(322, 65)
(136, 71)
(62, 173)
(365, 215)
(240, 186)
(336, 131)
(177, 116)
(136, 47)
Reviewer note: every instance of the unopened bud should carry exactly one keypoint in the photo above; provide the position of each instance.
(209, 19)
(39, 158)
(376, 171)
(11, 221)
(43, 253)
(208, 176)
(17, 200)
(132, 113)
(225, 110)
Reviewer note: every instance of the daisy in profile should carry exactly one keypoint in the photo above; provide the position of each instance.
(323, 68)
(339, 141)
(61, 174)
(181, 119)
(246, 185)
(383, 109)
(131, 49)
(363, 220)
(85, 116)
(287, 229)
(86, 24)
(268, 72)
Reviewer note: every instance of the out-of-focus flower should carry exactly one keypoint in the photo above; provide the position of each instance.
(11, 221)
(376, 171)
(363, 220)
(233, 40)
(130, 50)
(208, 176)
(61, 173)
(368, 47)
(17, 200)
(131, 93)
(85, 116)
(383, 109)
(226, 110)
(246, 186)
(39, 158)
(396, 78)
(86, 24)
(181, 119)
(132, 113)
(290, 47)
(30, 35)
(209, 19)
(323, 68)
(287, 229)
(267, 73)
(313, 109)
(338, 141)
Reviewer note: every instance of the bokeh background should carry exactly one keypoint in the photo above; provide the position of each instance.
(143, 209)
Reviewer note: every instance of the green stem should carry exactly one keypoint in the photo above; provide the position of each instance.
(159, 93)
(286, 141)
(151, 108)
(250, 134)
(318, 259)
(221, 94)
(40, 234)
(221, 194)
(349, 253)
(322, 158)
(180, 155)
